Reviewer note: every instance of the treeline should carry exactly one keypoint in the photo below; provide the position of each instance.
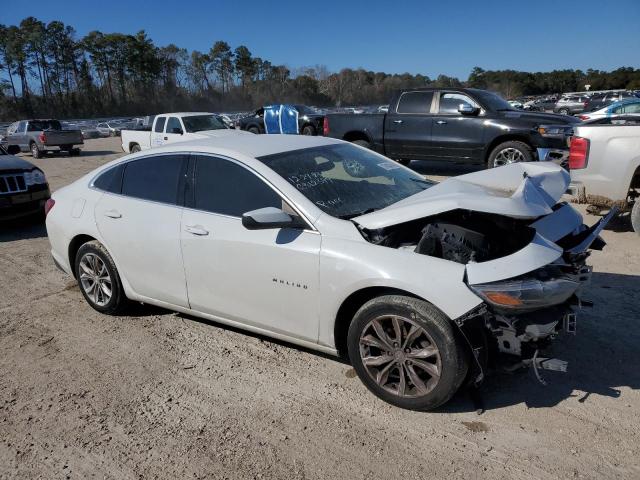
(46, 70)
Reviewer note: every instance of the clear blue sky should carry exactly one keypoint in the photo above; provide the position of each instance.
(394, 36)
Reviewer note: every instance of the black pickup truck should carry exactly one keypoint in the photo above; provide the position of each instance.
(456, 124)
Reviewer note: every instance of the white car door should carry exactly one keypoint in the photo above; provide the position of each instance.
(174, 131)
(140, 226)
(263, 278)
(157, 135)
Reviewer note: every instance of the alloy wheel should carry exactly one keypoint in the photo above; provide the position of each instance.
(400, 356)
(507, 156)
(95, 279)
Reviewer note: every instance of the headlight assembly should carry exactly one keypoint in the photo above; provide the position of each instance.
(34, 177)
(526, 294)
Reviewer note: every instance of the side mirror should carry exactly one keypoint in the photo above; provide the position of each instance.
(177, 130)
(268, 218)
(13, 149)
(467, 109)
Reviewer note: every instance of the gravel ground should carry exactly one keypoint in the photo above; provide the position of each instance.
(162, 395)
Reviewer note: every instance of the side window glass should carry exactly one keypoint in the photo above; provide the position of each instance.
(450, 102)
(227, 188)
(159, 128)
(154, 178)
(173, 125)
(415, 102)
(110, 180)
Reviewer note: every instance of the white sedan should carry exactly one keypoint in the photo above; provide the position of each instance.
(336, 248)
(623, 107)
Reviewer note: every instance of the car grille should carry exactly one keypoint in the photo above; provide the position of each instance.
(12, 183)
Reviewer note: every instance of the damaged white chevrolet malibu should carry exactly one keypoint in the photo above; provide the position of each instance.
(336, 248)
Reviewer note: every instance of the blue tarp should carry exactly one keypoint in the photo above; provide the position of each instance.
(281, 119)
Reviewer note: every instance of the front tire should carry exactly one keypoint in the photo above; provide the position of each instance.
(135, 148)
(509, 152)
(563, 111)
(254, 130)
(635, 216)
(98, 279)
(406, 352)
(308, 130)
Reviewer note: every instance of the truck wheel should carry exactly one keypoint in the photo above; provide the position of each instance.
(35, 151)
(406, 352)
(308, 130)
(362, 143)
(255, 130)
(635, 216)
(509, 152)
(563, 111)
(134, 148)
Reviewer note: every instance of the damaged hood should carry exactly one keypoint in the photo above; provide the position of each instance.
(520, 190)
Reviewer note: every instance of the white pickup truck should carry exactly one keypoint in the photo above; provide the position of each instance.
(604, 159)
(176, 127)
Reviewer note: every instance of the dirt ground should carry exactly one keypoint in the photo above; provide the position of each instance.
(163, 395)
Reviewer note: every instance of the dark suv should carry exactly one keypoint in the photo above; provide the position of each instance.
(24, 189)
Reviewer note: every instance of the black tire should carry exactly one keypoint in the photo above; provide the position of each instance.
(404, 161)
(362, 143)
(135, 148)
(35, 151)
(453, 360)
(525, 153)
(635, 216)
(253, 129)
(308, 130)
(118, 300)
(75, 152)
(563, 111)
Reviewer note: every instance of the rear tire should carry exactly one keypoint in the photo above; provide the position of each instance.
(134, 148)
(509, 152)
(635, 216)
(563, 111)
(35, 151)
(362, 143)
(308, 130)
(254, 130)
(98, 279)
(406, 352)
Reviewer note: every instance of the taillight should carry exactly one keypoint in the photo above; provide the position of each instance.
(583, 117)
(42, 137)
(578, 153)
(48, 206)
(325, 127)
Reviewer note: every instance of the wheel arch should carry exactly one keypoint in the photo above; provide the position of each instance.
(351, 305)
(354, 135)
(74, 246)
(518, 137)
(132, 144)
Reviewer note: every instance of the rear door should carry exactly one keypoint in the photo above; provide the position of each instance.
(456, 136)
(157, 133)
(407, 129)
(139, 222)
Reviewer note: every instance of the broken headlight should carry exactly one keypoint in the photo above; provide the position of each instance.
(526, 294)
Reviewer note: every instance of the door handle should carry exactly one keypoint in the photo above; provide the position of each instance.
(197, 230)
(398, 121)
(166, 138)
(441, 122)
(112, 214)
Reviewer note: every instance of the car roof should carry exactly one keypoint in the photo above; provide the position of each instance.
(183, 114)
(249, 144)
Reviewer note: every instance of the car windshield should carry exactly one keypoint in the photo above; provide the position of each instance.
(492, 100)
(37, 125)
(344, 180)
(200, 123)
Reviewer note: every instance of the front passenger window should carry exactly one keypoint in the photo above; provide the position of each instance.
(450, 102)
(224, 187)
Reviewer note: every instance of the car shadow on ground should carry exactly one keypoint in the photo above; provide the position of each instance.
(603, 357)
(22, 229)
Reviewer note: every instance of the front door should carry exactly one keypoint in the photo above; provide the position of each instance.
(456, 136)
(262, 278)
(140, 227)
(407, 128)
(157, 135)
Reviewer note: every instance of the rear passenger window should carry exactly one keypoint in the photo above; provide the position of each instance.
(111, 180)
(159, 128)
(415, 102)
(227, 188)
(154, 178)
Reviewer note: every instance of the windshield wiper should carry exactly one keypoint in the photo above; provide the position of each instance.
(349, 216)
